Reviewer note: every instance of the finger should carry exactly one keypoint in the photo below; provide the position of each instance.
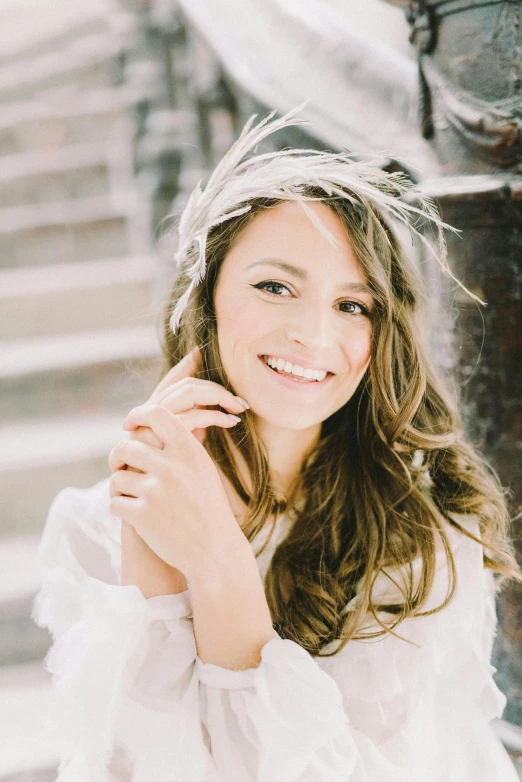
(143, 434)
(200, 419)
(138, 455)
(125, 507)
(125, 482)
(191, 392)
(187, 367)
(163, 423)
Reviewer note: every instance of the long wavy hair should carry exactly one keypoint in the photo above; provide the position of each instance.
(391, 468)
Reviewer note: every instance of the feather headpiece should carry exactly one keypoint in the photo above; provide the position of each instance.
(283, 175)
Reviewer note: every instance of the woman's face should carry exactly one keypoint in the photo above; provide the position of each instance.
(312, 313)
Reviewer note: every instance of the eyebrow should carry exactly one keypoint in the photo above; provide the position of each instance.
(296, 271)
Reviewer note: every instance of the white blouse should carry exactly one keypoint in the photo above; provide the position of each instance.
(133, 702)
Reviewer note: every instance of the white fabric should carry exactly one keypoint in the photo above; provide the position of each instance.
(361, 93)
(135, 703)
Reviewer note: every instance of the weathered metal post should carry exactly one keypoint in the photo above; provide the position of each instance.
(470, 74)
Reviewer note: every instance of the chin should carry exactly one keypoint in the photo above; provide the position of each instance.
(281, 419)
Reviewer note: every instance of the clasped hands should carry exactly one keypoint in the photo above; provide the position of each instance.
(171, 492)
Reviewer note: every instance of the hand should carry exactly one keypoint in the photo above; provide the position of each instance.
(177, 502)
(180, 391)
(140, 565)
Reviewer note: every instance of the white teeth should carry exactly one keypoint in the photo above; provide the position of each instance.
(281, 365)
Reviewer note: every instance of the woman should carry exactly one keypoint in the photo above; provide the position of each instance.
(303, 591)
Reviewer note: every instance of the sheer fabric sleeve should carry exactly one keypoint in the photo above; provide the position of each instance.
(379, 710)
(126, 702)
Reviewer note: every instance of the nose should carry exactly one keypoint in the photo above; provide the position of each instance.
(312, 328)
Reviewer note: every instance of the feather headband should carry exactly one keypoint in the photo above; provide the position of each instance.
(283, 175)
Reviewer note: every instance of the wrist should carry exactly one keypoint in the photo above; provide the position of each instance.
(221, 560)
(141, 567)
(232, 621)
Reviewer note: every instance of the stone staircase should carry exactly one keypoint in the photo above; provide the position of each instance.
(78, 289)
(78, 329)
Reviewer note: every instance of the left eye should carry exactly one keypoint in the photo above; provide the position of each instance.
(264, 285)
(356, 307)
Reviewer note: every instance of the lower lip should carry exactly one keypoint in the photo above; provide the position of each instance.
(295, 384)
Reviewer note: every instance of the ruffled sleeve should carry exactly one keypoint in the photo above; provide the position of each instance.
(126, 693)
(135, 703)
(386, 709)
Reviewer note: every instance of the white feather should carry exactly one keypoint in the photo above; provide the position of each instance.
(282, 175)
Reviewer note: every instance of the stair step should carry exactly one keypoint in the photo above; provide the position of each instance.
(20, 569)
(57, 441)
(43, 162)
(90, 371)
(64, 231)
(25, 357)
(25, 34)
(75, 171)
(28, 747)
(68, 120)
(40, 774)
(61, 298)
(21, 640)
(40, 457)
(85, 63)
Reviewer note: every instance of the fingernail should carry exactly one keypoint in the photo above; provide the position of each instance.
(242, 401)
(235, 418)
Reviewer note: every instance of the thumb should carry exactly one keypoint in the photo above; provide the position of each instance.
(187, 367)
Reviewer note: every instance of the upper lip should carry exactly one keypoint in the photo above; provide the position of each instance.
(296, 360)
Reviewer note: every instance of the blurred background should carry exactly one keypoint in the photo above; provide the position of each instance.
(110, 112)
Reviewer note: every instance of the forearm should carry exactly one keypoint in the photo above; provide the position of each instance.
(141, 567)
(231, 617)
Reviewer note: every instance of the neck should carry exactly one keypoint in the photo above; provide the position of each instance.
(286, 450)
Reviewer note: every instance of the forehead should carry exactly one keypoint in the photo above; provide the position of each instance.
(285, 231)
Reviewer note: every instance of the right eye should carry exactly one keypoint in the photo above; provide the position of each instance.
(270, 284)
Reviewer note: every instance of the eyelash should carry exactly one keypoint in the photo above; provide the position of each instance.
(262, 286)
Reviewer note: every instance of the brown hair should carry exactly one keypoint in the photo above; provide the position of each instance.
(369, 500)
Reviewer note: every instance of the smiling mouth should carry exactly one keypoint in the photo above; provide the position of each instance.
(295, 378)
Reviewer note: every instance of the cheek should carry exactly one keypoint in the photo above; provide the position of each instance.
(358, 348)
(241, 321)
(365, 351)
